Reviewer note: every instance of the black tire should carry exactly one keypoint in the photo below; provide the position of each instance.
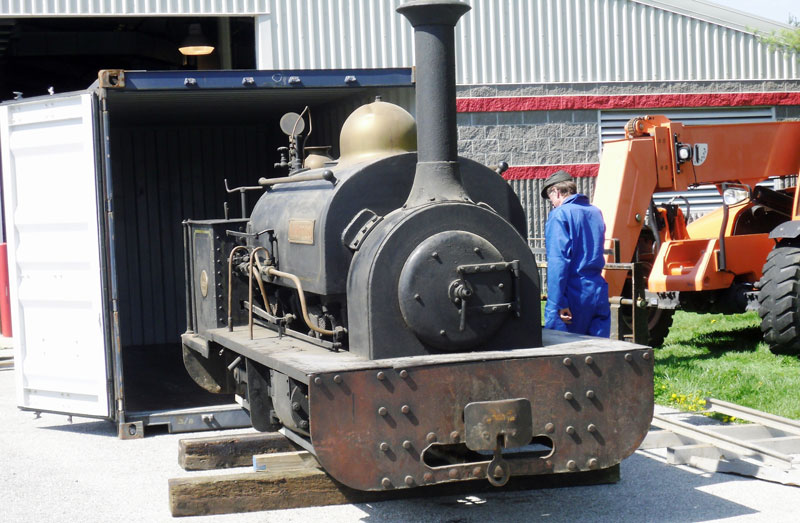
(658, 323)
(779, 299)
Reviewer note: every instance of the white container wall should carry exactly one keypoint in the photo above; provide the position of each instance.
(48, 150)
(530, 41)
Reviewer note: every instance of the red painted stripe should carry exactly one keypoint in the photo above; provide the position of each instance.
(536, 172)
(633, 101)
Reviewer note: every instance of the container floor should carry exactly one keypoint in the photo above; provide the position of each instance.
(155, 379)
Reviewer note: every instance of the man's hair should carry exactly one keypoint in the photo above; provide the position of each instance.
(565, 188)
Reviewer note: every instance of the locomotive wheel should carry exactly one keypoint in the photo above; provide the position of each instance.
(779, 299)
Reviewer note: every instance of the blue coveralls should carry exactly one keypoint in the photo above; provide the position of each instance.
(574, 237)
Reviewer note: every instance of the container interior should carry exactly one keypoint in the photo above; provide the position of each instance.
(171, 152)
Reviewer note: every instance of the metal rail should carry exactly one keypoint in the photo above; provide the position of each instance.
(768, 448)
(756, 416)
(721, 441)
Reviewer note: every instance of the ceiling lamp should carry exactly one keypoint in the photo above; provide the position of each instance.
(195, 43)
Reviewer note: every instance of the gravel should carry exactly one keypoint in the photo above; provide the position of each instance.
(55, 470)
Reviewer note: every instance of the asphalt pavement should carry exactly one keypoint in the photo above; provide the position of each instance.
(54, 470)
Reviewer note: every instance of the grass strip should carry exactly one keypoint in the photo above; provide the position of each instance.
(724, 356)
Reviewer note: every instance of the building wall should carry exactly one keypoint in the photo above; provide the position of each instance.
(540, 128)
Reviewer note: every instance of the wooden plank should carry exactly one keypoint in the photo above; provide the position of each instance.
(231, 451)
(284, 461)
(310, 486)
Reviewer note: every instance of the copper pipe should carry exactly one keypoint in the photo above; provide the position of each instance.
(230, 285)
(250, 286)
(302, 296)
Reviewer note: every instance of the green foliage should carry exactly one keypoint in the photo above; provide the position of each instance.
(787, 40)
(724, 357)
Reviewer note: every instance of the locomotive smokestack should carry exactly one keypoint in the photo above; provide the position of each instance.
(437, 176)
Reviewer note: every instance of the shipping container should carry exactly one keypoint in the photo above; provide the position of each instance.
(96, 185)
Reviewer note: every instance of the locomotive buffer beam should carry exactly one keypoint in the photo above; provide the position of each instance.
(402, 422)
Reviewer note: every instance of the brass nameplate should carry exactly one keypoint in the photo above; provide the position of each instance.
(301, 231)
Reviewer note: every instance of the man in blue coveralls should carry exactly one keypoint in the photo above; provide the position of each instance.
(577, 294)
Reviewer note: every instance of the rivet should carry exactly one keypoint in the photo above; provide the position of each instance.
(404, 374)
(476, 250)
(434, 254)
(384, 446)
(567, 362)
(570, 430)
(409, 480)
(549, 464)
(589, 360)
(386, 482)
(295, 406)
(571, 465)
(549, 428)
(592, 427)
(405, 409)
(476, 471)
(417, 297)
(646, 355)
(428, 477)
(381, 376)
(593, 463)
(337, 379)
(431, 437)
(590, 394)
(568, 396)
(442, 332)
(500, 286)
(406, 444)
(454, 436)
(382, 411)
(318, 381)
(628, 356)
(453, 473)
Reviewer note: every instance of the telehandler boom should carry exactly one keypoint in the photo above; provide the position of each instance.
(742, 256)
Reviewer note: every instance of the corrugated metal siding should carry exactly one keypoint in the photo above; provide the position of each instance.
(162, 175)
(23, 8)
(524, 41)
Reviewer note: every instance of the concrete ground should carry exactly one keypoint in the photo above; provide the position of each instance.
(52, 470)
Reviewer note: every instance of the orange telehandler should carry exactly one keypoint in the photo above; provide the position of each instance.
(743, 256)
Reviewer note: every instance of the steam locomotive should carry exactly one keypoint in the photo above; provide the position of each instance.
(383, 310)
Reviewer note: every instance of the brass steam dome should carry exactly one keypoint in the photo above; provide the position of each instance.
(377, 129)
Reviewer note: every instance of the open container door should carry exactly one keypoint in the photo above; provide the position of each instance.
(52, 213)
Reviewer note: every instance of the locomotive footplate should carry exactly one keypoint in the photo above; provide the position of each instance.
(407, 422)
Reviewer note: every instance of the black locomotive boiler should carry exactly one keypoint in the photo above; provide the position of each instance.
(383, 310)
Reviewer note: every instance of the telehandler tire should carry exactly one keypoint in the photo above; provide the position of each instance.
(779, 299)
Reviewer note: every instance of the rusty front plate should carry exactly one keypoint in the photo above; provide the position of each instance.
(393, 427)
(507, 422)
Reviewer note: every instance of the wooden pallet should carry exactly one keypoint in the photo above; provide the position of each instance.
(294, 479)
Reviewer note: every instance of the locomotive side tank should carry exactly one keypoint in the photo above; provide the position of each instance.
(383, 311)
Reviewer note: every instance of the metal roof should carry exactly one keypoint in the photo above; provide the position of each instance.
(535, 41)
(57, 8)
